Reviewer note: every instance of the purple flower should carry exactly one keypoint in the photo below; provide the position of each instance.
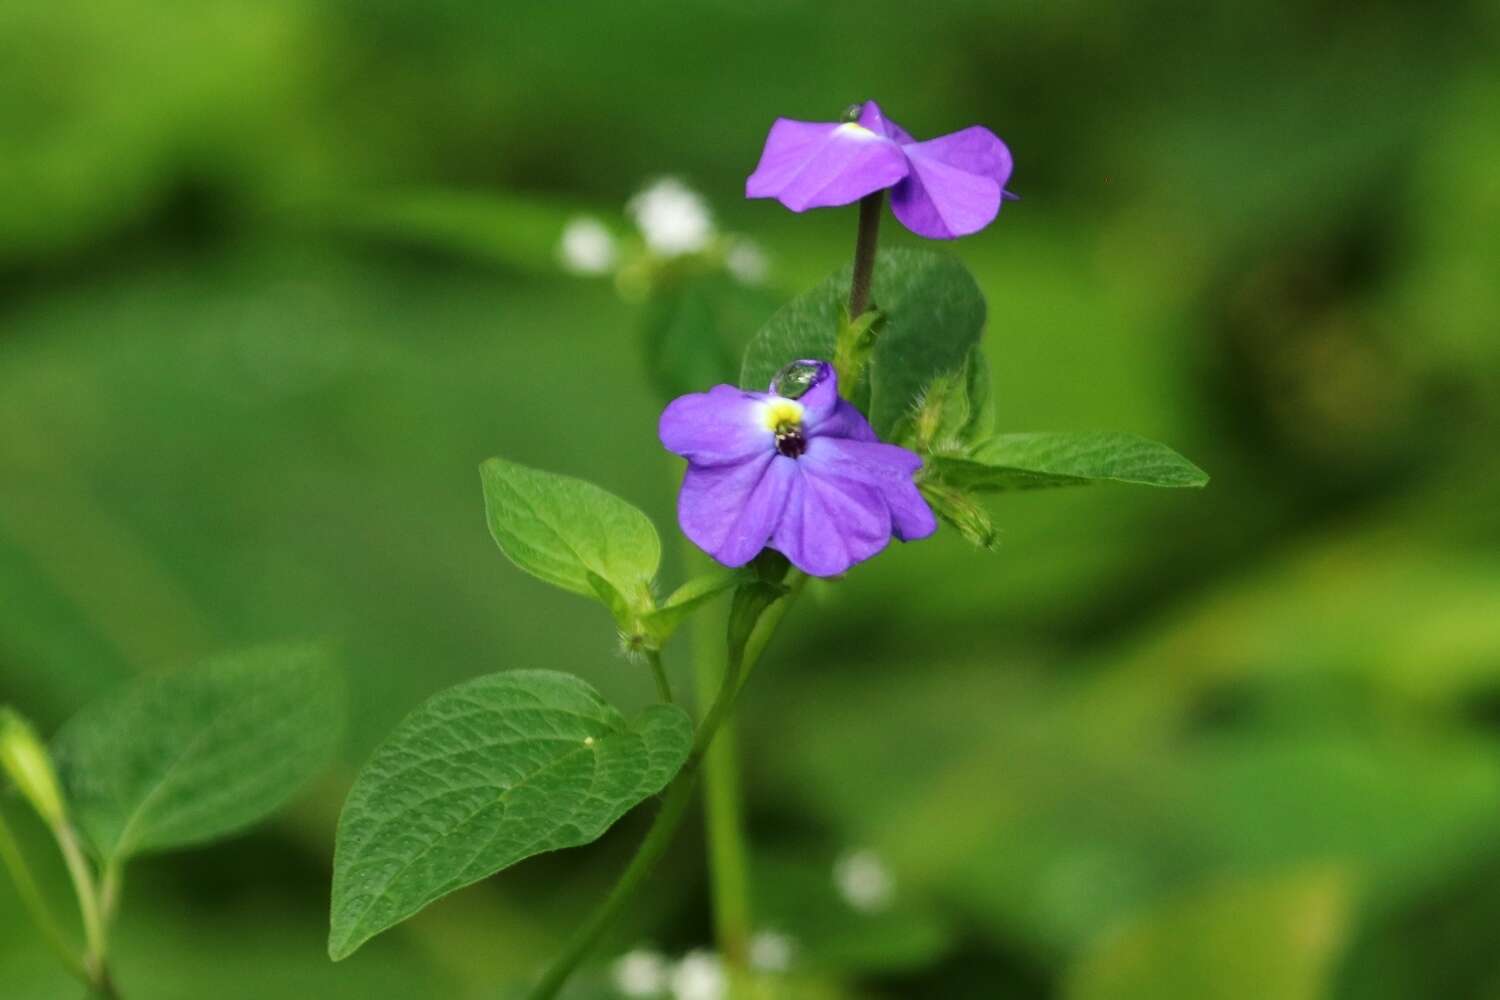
(797, 469)
(943, 188)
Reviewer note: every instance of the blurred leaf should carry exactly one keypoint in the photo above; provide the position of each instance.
(484, 775)
(795, 894)
(572, 534)
(1034, 461)
(932, 313)
(191, 756)
(1242, 940)
(509, 230)
(694, 326)
(684, 351)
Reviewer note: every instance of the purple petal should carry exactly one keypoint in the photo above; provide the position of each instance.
(718, 427)
(821, 399)
(730, 511)
(844, 422)
(955, 185)
(817, 164)
(886, 467)
(872, 118)
(831, 524)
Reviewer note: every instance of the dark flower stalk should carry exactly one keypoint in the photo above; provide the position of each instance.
(865, 244)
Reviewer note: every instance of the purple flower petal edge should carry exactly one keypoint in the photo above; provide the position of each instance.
(942, 188)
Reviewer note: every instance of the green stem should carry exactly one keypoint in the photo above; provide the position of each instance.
(36, 904)
(674, 804)
(865, 243)
(94, 929)
(663, 686)
(723, 829)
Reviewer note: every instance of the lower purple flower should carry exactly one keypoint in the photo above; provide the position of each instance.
(797, 469)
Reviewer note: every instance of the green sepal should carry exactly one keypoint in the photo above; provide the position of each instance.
(660, 624)
(959, 508)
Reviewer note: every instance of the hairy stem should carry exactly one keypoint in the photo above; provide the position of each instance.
(663, 686)
(865, 244)
(674, 803)
(36, 904)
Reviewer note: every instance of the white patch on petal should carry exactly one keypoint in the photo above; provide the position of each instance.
(854, 130)
(777, 413)
(673, 218)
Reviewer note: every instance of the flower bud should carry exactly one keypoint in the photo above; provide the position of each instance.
(960, 509)
(25, 760)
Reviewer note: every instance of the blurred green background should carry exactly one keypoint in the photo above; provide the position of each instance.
(276, 275)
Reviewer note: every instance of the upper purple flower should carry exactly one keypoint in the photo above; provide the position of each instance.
(943, 188)
(797, 469)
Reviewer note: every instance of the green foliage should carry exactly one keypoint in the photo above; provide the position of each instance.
(954, 412)
(1247, 939)
(187, 757)
(572, 534)
(484, 775)
(1034, 461)
(694, 325)
(931, 316)
(690, 597)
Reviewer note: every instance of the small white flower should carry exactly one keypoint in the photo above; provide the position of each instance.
(864, 881)
(771, 951)
(700, 976)
(640, 973)
(747, 262)
(586, 246)
(673, 218)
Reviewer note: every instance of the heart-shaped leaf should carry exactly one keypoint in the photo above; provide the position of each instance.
(1033, 461)
(932, 312)
(484, 775)
(185, 757)
(572, 534)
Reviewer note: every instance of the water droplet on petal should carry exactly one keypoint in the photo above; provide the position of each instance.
(794, 381)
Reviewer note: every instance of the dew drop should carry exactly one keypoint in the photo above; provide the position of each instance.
(794, 381)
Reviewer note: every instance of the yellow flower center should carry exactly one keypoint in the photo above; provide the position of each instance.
(783, 418)
(783, 415)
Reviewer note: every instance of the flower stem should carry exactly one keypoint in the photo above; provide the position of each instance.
(36, 905)
(865, 244)
(723, 828)
(674, 803)
(663, 686)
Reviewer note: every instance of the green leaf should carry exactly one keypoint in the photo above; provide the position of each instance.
(572, 534)
(1246, 939)
(1034, 461)
(482, 776)
(932, 316)
(186, 757)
